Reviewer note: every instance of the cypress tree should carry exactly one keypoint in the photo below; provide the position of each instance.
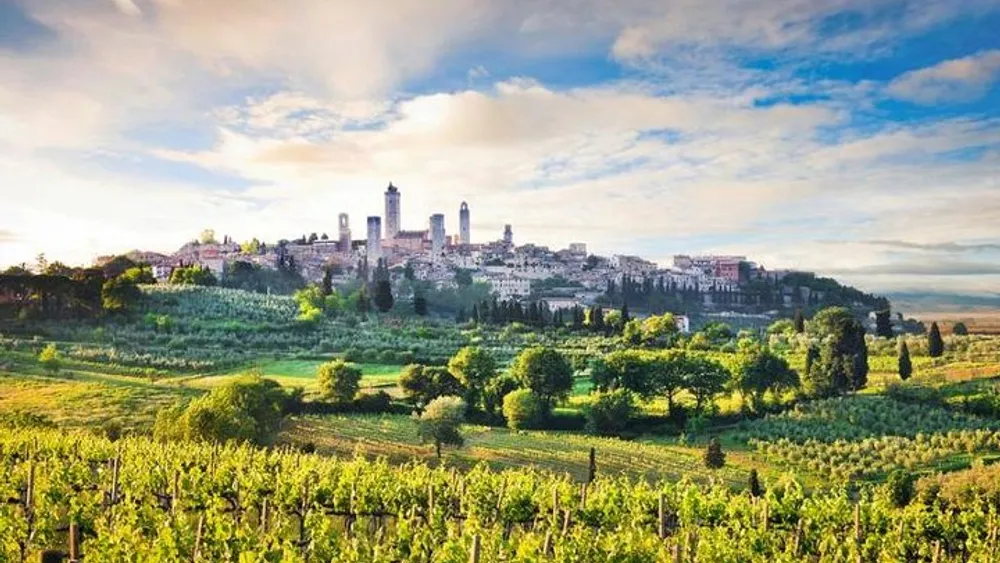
(625, 316)
(714, 456)
(905, 366)
(420, 305)
(800, 322)
(883, 324)
(753, 484)
(383, 296)
(935, 345)
(475, 314)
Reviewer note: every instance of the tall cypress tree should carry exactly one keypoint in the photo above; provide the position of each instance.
(883, 323)
(383, 296)
(800, 322)
(935, 344)
(905, 365)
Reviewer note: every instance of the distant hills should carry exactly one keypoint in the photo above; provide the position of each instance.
(942, 302)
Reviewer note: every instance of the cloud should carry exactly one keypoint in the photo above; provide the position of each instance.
(961, 79)
(924, 268)
(7, 236)
(952, 247)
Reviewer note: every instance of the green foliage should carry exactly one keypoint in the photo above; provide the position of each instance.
(192, 275)
(900, 487)
(420, 305)
(799, 322)
(441, 420)
(905, 365)
(495, 391)
(422, 384)
(714, 457)
(546, 373)
(753, 485)
(474, 368)
(120, 294)
(959, 329)
(338, 380)
(261, 279)
(782, 326)
(935, 344)
(50, 359)
(842, 364)
(610, 413)
(522, 409)
(248, 409)
(758, 372)
(883, 323)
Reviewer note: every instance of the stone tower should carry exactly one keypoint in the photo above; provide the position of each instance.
(508, 235)
(437, 234)
(391, 211)
(464, 227)
(344, 244)
(374, 238)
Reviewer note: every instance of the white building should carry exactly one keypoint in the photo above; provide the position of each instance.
(683, 323)
(506, 287)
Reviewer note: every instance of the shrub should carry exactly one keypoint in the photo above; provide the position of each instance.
(338, 380)
(522, 409)
(50, 359)
(901, 488)
(609, 413)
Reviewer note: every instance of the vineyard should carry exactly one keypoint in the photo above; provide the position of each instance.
(136, 500)
(863, 437)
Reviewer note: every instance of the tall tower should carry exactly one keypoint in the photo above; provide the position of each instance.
(345, 233)
(437, 234)
(374, 238)
(508, 235)
(464, 232)
(391, 211)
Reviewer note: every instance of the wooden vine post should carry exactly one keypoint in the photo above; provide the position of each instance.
(74, 542)
(662, 520)
(592, 466)
(474, 551)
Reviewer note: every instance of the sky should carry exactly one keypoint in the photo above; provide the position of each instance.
(855, 138)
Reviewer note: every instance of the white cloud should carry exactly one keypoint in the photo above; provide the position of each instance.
(955, 80)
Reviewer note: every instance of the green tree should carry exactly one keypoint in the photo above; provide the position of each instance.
(935, 344)
(362, 301)
(422, 384)
(440, 422)
(800, 322)
(610, 413)
(50, 358)
(843, 360)
(192, 275)
(714, 457)
(959, 329)
(883, 323)
(905, 365)
(420, 305)
(625, 369)
(782, 326)
(705, 379)
(546, 372)
(522, 409)
(754, 486)
(119, 294)
(758, 372)
(900, 487)
(496, 389)
(473, 367)
(338, 380)
(383, 296)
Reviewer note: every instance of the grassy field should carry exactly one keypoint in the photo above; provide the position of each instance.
(978, 322)
(301, 373)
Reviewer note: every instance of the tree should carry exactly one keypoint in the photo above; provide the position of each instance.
(758, 372)
(327, 281)
(800, 322)
(905, 365)
(383, 296)
(610, 413)
(546, 372)
(248, 409)
(496, 389)
(522, 409)
(338, 380)
(362, 302)
(420, 305)
(207, 237)
(705, 379)
(935, 344)
(49, 358)
(959, 329)
(192, 275)
(625, 369)
(883, 323)
(473, 367)
(714, 457)
(422, 384)
(900, 486)
(753, 484)
(842, 364)
(118, 294)
(440, 422)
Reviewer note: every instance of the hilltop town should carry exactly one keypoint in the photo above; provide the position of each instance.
(564, 278)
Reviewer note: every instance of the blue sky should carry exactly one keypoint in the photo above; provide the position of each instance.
(857, 138)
